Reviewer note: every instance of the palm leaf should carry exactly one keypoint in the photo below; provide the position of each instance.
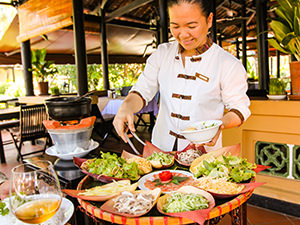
(297, 20)
(279, 29)
(287, 6)
(288, 38)
(276, 45)
(284, 16)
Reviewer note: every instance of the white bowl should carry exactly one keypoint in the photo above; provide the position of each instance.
(276, 97)
(69, 156)
(204, 131)
(68, 140)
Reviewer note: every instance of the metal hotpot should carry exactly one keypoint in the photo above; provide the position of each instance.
(66, 108)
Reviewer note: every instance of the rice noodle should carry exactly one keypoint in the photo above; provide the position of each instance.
(188, 156)
(134, 204)
(220, 186)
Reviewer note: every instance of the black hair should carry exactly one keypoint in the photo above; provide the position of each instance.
(205, 5)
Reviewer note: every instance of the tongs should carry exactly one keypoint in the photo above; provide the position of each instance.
(131, 144)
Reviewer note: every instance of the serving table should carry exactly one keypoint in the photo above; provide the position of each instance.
(236, 207)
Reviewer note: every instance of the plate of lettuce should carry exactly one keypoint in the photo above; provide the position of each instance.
(109, 167)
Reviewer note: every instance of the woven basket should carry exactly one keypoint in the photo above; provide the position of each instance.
(217, 211)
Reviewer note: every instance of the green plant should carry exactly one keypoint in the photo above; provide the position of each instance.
(3, 88)
(251, 71)
(54, 90)
(41, 68)
(286, 27)
(277, 86)
(120, 75)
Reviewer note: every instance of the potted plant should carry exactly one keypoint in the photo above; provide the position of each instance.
(286, 28)
(42, 69)
(277, 89)
(54, 90)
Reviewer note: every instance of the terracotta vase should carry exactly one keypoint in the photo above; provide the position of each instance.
(43, 88)
(295, 77)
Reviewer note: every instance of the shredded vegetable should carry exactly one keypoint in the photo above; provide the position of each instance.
(180, 202)
(163, 158)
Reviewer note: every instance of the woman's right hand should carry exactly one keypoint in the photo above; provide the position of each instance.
(123, 121)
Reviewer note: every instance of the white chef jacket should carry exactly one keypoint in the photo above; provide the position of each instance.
(197, 91)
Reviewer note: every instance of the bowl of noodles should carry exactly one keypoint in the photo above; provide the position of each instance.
(202, 131)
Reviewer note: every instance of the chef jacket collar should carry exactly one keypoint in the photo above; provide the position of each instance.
(198, 51)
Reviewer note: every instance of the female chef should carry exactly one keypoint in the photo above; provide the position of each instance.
(196, 79)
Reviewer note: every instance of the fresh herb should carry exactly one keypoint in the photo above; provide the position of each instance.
(113, 166)
(3, 209)
(204, 125)
(175, 180)
(233, 168)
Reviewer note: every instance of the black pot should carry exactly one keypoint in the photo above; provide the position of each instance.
(65, 108)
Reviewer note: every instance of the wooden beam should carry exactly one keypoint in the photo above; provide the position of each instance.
(94, 22)
(221, 4)
(248, 9)
(127, 8)
(104, 55)
(80, 49)
(226, 8)
(227, 23)
(26, 62)
(103, 3)
(6, 3)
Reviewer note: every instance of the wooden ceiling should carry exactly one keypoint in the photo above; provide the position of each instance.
(131, 31)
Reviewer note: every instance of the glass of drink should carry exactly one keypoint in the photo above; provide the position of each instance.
(35, 194)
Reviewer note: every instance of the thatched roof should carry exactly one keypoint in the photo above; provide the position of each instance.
(131, 31)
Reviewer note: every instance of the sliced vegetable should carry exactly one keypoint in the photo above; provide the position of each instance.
(163, 158)
(180, 202)
(111, 188)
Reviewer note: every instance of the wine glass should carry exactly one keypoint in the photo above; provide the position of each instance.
(35, 194)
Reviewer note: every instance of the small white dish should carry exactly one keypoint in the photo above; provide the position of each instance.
(276, 97)
(62, 216)
(69, 156)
